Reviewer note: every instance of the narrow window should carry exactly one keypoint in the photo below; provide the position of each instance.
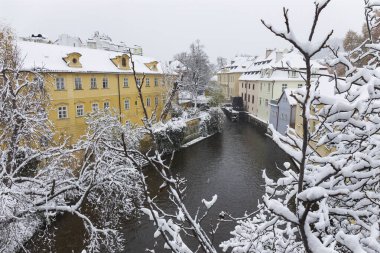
(147, 81)
(80, 110)
(156, 100)
(78, 83)
(106, 105)
(148, 101)
(95, 107)
(138, 81)
(126, 104)
(126, 85)
(300, 85)
(105, 83)
(123, 62)
(155, 81)
(268, 87)
(60, 83)
(93, 82)
(284, 86)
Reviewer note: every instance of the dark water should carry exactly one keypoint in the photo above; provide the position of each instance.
(228, 164)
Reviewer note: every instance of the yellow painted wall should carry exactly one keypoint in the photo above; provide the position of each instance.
(74, 125)
(229, 83)
(321, 150)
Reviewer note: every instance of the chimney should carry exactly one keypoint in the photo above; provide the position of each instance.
(279, 55)
(268, 52)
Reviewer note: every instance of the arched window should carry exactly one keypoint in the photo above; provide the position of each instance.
(123, 62)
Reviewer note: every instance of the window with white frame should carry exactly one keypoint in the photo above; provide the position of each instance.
(126, 104)
(284, 86)
(80, 110)
(62, 112)
(105, 82)
(156, 100)
(148, 101)
(95, 107)
(156, 81)
(106, 105)
(138, 81)
(125, 82)
(300, 85)
(60, 83)
(293, 74)
(147, 81)
(266, 102)
(93, 83)
(78, 83)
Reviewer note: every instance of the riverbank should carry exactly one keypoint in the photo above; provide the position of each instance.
(229, 164)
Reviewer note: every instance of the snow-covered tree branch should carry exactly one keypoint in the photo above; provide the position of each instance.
(328, 203)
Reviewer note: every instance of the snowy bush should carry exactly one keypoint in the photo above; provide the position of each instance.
(169, 136)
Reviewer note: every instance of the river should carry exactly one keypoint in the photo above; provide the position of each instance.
(229, 164)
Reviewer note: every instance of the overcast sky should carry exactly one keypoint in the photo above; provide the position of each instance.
(166, 27)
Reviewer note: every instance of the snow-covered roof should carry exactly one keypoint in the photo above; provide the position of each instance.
(174, 67)
(238, 64)
(288, 93)
(263, 67)
(50, 58)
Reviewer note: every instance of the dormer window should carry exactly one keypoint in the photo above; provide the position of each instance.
(152, 65)
(121, 61)
(72, 60)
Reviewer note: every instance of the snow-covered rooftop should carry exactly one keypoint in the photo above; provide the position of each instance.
(238, 64)
(263, 68)
(49, 58)
(291, 99)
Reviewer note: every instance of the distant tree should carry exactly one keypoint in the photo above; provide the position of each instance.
(221, 62)
(196, 72)
(352, 40)
(215, 93)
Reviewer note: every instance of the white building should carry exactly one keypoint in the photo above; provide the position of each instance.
(269, 76)
(68, 40)
(228, 77)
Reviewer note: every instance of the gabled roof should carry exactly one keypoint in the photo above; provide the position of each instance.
(288, 93)
(238, 64)
(50, 58)
(276, 59)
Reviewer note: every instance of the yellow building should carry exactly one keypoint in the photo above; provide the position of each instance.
(326, 88)
(83, 80)
(228, 77)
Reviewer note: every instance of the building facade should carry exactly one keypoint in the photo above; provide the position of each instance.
(83, 80)
(268, 77)
(228, 77)
(283, 112)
